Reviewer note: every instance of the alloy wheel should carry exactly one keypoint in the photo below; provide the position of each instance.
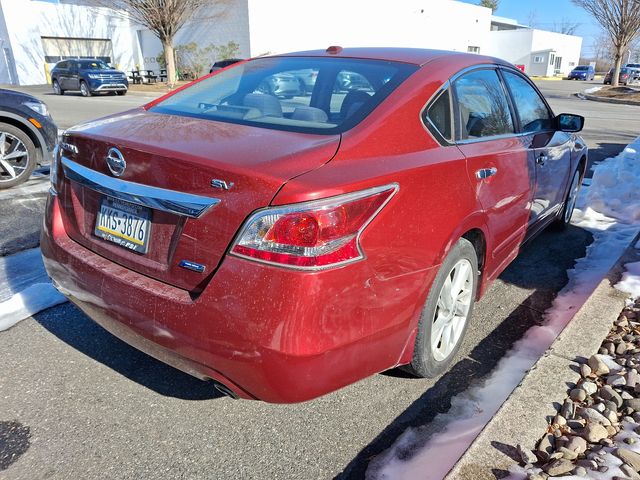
(14, 157)
(452, 311)
(56, 88)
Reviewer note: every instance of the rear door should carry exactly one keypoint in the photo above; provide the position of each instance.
(497, 163)
(547, 148)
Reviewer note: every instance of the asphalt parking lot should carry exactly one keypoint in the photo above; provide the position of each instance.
(75, 402)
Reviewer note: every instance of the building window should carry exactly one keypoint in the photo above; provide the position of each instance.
(471, 49)
(552, 58)
(538, 59)
(572, 64)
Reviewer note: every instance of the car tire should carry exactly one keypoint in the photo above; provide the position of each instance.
(432, 353)
(56, 88)
(17, 141)
(84, 89)
(564, 217)
(121, 92)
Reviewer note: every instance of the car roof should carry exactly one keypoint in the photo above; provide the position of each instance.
(416, 56)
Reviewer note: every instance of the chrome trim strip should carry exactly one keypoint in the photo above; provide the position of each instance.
(179, 203)
(112, 87)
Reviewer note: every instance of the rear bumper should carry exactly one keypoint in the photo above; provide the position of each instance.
(266, 333)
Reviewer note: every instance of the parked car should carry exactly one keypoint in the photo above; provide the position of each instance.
(27, 136)
(582, 72)
(219, 65)
(627, 75)
(89, 77)
(286, 249)
(282, 84)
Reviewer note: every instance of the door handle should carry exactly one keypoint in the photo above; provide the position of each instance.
(542, 158)
(484, 173)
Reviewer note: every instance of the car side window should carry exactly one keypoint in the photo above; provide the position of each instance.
(438, 115)
(532, 111)
(482, 109)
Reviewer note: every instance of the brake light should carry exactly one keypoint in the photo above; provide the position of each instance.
(312, 235)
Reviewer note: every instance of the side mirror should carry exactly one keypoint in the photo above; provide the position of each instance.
(567, 122)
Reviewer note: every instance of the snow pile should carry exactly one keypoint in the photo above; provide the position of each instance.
(24, 288)
(630, 282)
(615, 189)
(609, 209)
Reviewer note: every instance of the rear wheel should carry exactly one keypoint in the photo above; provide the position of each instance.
(121, 92)
(84, 89)
(569, 202)
(17, 156)
(446, 313)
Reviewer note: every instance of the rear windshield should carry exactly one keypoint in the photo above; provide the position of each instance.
(582, 67)
(300, 94)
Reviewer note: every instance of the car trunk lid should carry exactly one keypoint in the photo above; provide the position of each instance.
(179, 159)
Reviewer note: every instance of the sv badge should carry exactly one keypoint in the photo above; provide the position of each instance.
(221, 184)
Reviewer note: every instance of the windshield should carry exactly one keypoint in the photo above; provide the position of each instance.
(302, 94)
(93, 65)
(582, 67)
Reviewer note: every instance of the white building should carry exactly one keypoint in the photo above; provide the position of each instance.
(539, 52)
(34, 34)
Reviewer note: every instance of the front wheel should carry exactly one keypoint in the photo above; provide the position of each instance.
(56, 88)
(121, 92)
(447, 312)
(17, 156)
(569, 203)
(84, 89)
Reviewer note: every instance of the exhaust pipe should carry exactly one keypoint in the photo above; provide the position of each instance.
(223, 389)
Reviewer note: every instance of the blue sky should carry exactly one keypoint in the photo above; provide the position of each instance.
(547, 12)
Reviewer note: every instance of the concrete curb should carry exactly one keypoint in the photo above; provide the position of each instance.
(618, 101)
(523, 418)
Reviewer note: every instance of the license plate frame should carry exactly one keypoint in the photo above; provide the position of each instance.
(115, 216)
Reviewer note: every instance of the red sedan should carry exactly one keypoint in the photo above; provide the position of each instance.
(284, 248)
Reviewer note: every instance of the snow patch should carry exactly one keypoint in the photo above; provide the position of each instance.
(24, 287)
(608, 208)
(28, 302)
(592, 90)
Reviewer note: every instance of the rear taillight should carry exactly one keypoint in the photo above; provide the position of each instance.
(312, 235)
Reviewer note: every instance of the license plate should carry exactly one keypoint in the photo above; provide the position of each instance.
(124, 223)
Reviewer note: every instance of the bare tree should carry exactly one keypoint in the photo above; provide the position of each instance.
(163, 17)
(620, 19)
(492, 4)
(565, 26)
(532, 18)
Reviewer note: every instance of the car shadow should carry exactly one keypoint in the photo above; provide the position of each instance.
(73, 327)
(540, 267)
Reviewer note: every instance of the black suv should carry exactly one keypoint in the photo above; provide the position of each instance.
(220, 64)
(88, 76)
(27, 136)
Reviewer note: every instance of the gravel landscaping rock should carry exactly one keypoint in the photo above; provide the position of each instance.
(596, 433)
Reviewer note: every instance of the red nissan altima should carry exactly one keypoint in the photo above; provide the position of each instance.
(285, 247)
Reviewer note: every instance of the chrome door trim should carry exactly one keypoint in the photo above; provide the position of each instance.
(484, 173)
(171, 201)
